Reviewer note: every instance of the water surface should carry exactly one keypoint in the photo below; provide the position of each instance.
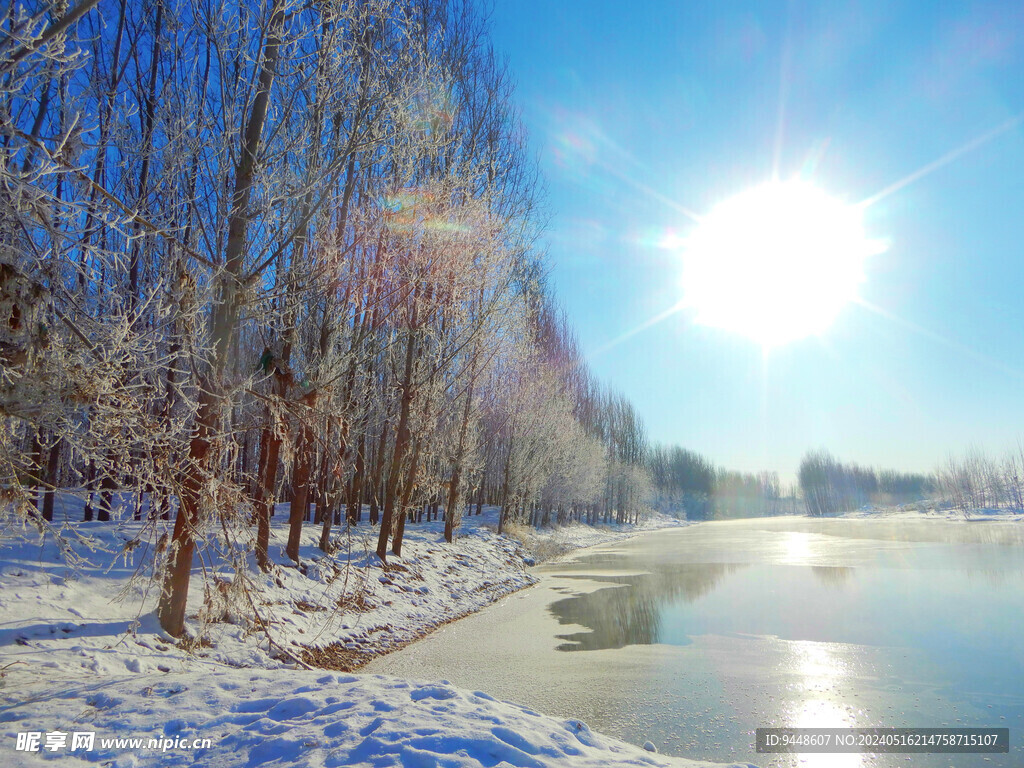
(693, 638)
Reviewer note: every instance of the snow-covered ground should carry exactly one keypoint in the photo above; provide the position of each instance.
(344, 613)
(333, 612)
(932, 511)
(83, 653)
(299, 718)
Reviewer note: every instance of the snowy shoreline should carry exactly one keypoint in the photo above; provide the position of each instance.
(305, 718)
(79, 660)
(333, 612)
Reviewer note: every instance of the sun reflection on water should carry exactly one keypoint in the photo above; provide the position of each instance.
(822, 674)
(796, 548)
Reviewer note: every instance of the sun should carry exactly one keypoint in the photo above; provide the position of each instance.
(775, 263)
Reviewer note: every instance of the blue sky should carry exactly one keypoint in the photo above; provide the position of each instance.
(640, 112)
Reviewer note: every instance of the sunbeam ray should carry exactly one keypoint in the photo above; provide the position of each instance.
(614, 170)
(945, 160)
(589, 141)
(785, 63)
(922, 331)
(653, 193)
(877, 373)
(639, 329)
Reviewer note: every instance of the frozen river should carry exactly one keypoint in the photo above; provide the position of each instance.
(694, 637)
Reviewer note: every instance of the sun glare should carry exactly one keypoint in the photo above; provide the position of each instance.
(775, 263)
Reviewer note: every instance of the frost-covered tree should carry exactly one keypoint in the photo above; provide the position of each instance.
(271, 251)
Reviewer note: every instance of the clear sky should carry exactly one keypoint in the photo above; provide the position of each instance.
(642, 113)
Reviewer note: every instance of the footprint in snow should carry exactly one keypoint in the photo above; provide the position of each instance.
(289, 709)
(432, 692)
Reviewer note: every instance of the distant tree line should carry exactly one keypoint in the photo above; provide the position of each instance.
(829, 486)
(683, 481)
(751, 494)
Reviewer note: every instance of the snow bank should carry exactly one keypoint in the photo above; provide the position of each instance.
(303, 719)
(931, 511)
(334, 611)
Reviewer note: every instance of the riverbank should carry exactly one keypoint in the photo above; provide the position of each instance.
(328, 611)
(84, 653)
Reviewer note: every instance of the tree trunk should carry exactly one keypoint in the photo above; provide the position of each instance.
(224, 322)
(107, 486)
(329, 490)
(52, 465)
(410, 484)
(270, 454)
(90, 487)
(304, 458)
(378, 474)
(36, 469)
(174, 596)
(401, 440)
(503, 511)
(451, 506)
(353, 504)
